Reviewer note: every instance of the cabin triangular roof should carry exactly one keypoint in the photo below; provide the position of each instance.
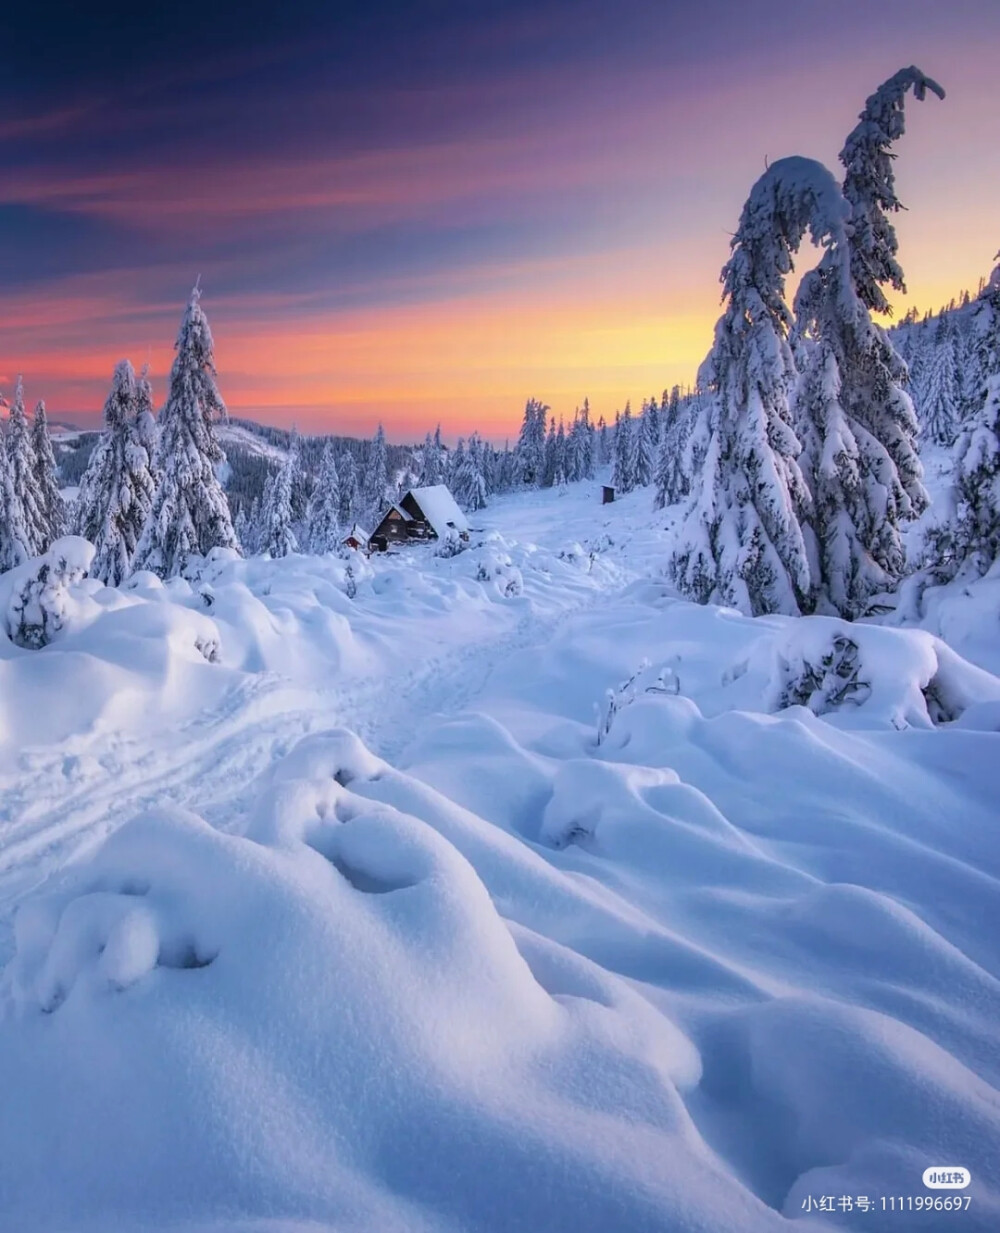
(440, 509)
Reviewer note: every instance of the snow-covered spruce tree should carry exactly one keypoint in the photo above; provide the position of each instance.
(349, 511)
(679, 457)
(146, 432)
(530, 448)
(189, 514)
(376, 488)
(648, 451)
(939, 405)
(870, 185)
(249, 537)
(857, 425)
(857, 420)
(14, 538)
(46, 483)
(741, 542)
(965, 541)
(23, 470)
(116, 493)
(626, 452)
(549, 464)
(324, 509)
(586, 448)
(559, 456)
(276, 537)
(241, 527)
(468, 484)
(430, 470)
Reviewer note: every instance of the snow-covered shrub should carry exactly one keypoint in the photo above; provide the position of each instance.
(573, 553)
(496, 566)
(211, 566)
(645, 680)
(40, 599)
(825, 683)
(450, 545)
(896, 677)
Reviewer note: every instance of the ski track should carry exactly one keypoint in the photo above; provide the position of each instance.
(61, 806)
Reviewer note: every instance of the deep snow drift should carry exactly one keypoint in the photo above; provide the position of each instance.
(511, 893)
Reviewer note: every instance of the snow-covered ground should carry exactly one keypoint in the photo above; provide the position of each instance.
(381, 913)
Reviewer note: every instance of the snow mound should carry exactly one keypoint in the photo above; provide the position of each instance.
(369, 1028)
(901, 678)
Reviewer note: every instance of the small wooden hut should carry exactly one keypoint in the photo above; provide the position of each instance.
(422, 515)
(356, 538)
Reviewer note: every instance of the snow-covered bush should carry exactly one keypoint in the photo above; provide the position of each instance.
(894, 677)
(645, 680)
(827, 682)
(39, 596)
(496, 566)
(450, 544)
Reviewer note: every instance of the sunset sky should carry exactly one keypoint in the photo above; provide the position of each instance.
(423, 212)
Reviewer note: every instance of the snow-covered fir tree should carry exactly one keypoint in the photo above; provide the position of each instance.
(299, 483)
(324, 522)
(853, 412)
(349, 503)
(431, 471)
(670, 476)
(190, 513)
(648, 451)
(939, 388)
(530, 448)
(275, 536)
(376, 486)
(857, 426)
(15, 542)
(116, 493)
(626, 452)
(146, 431)
(468, 484)
(964, 542)
(580, 446)
(870, 185)
(741, 542)
(603, 444)
(23, 468)
(241, 527)
(46, 481)
(249, 533)
(554, 467)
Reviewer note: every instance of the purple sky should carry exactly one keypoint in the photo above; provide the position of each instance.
(429, 212)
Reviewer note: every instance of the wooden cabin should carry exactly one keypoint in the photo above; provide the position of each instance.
(608, 494)
(356, 538)
(422, 515)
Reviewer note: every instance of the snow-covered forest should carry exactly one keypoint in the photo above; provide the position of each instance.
(627, 862)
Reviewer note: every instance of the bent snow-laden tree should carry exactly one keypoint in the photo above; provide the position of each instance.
(116, 492)
(741, 542)
(870, 185)
(853, 413)
(856, 423)
(965, 542)
(190, 513)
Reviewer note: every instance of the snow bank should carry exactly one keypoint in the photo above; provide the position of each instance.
(376, 1050)
(866, 674)
(680, 963)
